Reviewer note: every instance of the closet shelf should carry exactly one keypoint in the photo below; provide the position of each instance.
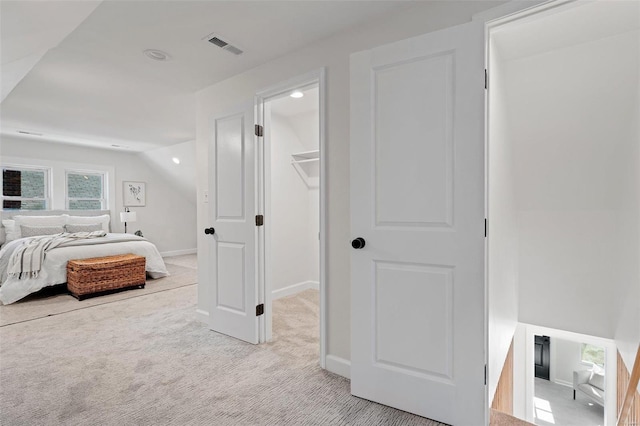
(305, 157)
(307, 165)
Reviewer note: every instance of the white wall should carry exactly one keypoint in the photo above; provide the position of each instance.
(182, 176)
(520, 372)
(306, 127)
(332, 53)
(167, 220)
(502, 241)
(565, 359)
(573, 115)
(627, 334)
(294, 224)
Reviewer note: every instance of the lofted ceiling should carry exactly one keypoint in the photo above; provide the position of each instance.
(96, 87)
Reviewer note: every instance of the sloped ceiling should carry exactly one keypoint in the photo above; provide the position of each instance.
(97, 87)
(29, 29)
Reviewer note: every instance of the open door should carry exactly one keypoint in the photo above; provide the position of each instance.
(417, 214)
(234, 309)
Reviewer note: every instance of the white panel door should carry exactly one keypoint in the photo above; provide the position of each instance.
(232, 215)
(417, 200)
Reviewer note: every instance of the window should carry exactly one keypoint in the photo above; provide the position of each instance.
(25, 188)
(590, 354)
(85, 190)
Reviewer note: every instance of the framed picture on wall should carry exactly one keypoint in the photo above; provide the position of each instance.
(134, 194)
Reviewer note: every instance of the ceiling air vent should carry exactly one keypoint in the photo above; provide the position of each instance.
(218, 42)
(224, 45)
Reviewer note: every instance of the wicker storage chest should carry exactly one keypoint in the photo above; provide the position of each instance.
(102, 275)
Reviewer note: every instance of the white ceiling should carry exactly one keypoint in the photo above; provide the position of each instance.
(97, 88)
(289, 107)
(571, 24)
(29, 29)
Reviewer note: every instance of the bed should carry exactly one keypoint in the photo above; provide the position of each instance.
(54, 271)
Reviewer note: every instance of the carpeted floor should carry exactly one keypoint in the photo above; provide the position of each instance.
(147, 361)
(183, 270)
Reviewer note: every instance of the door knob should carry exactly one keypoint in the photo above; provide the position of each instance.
(209, 231)
(358, 243)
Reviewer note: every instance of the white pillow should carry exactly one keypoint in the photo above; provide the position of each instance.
(57, 220)
(10, 230)
(90, 220)
(36, 231)
(84, 228)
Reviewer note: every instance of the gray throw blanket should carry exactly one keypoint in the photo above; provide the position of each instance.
(26, 261)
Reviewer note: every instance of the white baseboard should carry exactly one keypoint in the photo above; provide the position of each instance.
(178, 252)
(563, 383)
(202, 316)
(339, 366)
(293, 289)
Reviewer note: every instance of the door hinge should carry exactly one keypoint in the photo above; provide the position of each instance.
(259, 130)
(485, 79)
(485, 374)
(485, 227)
(259, 220)
(260, 309)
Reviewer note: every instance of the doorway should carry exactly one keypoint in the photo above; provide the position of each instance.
(574, 393)
(542, 356)
(562, 154)
(290, 180)
(581, 388)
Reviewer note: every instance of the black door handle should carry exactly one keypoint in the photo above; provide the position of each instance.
(358, 243)
(209, 231)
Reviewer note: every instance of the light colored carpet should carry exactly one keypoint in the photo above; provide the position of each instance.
(183, 270)
(554, 405)
(147, 361)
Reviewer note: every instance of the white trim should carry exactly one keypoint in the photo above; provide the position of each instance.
(104, 177)
(293, 289)
(314, 77)
(57, 180)
(514, 9)
(339, 366)
(48, 184)
(202, 316)
(178, 252)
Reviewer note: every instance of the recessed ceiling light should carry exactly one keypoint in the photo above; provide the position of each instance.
(176, 160)
(157, 55)
(297, 94)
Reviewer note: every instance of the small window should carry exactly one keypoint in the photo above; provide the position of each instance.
(85, 190)
(590, 354)
(25, 188)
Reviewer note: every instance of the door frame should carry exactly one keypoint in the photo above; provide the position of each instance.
(263, 168)
(524, 351)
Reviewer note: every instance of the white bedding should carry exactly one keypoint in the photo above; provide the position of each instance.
(54, 268)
